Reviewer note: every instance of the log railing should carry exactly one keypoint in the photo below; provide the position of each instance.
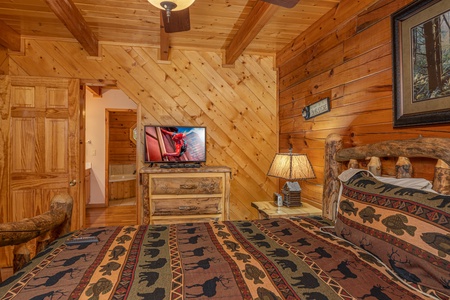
(45, 227)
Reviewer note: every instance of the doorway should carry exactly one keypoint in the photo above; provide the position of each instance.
(121, 175)
(97, 141)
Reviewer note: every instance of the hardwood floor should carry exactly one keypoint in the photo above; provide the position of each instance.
(111, 216)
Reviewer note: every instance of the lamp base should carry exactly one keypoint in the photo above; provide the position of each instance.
(292, 204)
(292, 194)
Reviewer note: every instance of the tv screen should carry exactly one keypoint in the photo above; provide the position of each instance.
(165, 144)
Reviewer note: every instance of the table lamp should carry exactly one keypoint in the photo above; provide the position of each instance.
(291, 166)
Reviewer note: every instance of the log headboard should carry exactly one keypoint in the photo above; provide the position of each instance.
(335, 156)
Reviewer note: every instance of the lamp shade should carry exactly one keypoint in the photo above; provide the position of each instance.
(171, 5)
(291, 166)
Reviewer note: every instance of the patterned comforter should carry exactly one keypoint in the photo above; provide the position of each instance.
(258, 259)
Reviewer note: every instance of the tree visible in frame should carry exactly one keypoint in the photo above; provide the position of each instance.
(431, 58)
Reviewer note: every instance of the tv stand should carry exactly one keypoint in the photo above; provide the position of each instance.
(180, 165)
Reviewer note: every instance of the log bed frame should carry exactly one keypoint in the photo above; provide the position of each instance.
(45, 228)
(56, 221)
(335, 156)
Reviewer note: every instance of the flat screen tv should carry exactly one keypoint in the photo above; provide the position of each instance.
(174, 144)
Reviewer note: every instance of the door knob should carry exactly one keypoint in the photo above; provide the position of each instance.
(73, 183)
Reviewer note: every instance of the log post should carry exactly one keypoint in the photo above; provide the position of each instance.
(22, 255)
(441, 181)
(56, 220)
(421, 147)
(403, 167)
(333, 143)
(374, 166)
(145, 204)
(353, 164)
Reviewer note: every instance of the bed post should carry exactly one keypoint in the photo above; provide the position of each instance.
(403, 168)
(333, 144)
(441, 181)
(353, 164)
(45, 227)
(374, 166)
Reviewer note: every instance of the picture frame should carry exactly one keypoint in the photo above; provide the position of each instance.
(313, 110)
(421, 92)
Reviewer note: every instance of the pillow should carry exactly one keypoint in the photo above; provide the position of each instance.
(407, 228)
(414, 183)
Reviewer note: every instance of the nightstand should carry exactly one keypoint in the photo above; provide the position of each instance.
(268, 210)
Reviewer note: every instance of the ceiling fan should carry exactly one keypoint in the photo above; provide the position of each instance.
(283, 3)
(176, 18)
(174, 14)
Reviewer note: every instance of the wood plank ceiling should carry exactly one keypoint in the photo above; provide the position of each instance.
(231, 26)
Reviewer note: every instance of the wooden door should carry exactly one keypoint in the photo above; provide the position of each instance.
(44, 145)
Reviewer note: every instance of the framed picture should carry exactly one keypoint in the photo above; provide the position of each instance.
(313, 110)
(421, 63)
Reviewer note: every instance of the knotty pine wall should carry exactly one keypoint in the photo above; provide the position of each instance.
(345, 56)
(237, 105)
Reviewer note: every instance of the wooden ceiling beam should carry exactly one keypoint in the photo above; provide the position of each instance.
(9, 38)
(71, 17)
(164, 40)
(255, 21)
(95, 90)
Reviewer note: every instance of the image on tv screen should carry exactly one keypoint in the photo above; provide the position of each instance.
(175, 144)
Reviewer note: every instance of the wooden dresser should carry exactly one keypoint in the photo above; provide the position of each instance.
(179, 195)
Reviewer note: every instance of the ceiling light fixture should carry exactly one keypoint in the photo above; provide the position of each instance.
(172, 5)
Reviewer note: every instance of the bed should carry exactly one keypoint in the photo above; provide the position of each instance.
(379, 238)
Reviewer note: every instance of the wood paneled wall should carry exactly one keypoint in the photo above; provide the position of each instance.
(237, 105)
(347, 57)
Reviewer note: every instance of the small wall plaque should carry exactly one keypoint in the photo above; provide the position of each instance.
(313, 110)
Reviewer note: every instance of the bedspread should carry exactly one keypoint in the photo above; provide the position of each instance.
(258, 259)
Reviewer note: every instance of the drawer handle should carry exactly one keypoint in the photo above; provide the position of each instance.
(188, 186)
(187, 207)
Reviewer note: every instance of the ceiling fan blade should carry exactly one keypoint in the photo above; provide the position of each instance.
(283, 3)
(178, 21)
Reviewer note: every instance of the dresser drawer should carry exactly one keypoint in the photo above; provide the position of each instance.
(186, 186)
(186, 206)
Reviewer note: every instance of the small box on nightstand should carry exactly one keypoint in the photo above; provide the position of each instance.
(277, 199)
